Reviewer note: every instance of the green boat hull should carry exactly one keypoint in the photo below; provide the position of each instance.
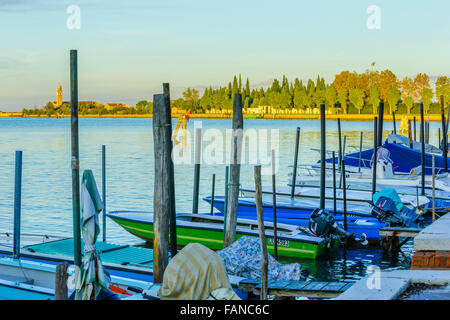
(213, 239)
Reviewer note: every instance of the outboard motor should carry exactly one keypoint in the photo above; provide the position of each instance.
(322, 224)
(386, 211)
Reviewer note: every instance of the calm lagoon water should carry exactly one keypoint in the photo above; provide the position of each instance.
(46, 186)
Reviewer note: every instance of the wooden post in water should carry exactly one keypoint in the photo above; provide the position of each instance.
(17, 204)
(75, 163)
(161, 200)
(422, 141)
(61, 276)
(439, 137)
(415, 131)
(393, 121)
(235, 167)
(344, 195)
(374, 157)
(433, 188)
(343, 147)
(340, 143)
(343, 157)
(213, 187)
(198, 150)
(322, 156)
(171, 171)
(380, 123)
(410, 134)
(294, 170)
(262, 234)
(334, 183)
(225, 201)
(274, 208)
(360, 151)
(444, 134)
(104, 190)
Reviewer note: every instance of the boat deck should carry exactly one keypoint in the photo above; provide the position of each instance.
(293, 288)
(125, 255)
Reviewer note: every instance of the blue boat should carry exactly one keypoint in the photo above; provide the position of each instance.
(404, 159)
(298, 212)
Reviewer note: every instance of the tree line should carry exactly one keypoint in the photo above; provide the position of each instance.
(350, 92)
(89, 108)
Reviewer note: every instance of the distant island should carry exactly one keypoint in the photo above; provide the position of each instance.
(350, 94)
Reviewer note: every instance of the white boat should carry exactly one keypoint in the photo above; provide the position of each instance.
(352, 196)
(403, 183)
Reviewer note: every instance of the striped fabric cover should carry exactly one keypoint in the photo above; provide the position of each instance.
(196, 273)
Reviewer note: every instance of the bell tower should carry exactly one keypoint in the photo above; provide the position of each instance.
(59, 96)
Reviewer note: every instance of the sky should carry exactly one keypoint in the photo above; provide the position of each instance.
(127, 49)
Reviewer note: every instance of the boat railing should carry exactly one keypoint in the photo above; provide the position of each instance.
(7, 238)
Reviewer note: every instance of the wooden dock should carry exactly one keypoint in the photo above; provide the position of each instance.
(390, 237)
(292, 288)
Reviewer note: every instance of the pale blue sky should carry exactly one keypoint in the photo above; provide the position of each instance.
(127, 49)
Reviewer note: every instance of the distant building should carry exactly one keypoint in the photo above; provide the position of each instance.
(109, 106)
(59, 99)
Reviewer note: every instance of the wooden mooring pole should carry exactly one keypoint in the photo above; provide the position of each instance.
(262, 235)
(344, 194)
(198, 151)
(334, 183)
(17, 204)
(294, 169)
(393, 121)
(213, 188)
(322, 156)
(225, 202)
(433, 188)
(75, 163)
(171, 171)
(162, 207)
(422, 141)
(360, 151)
(235, 167)
(410, 134)
(374, 157)
(415, 130)
(61, 276)
(104, 190)
(444, 134)
(380, 123)
(274, 208)
(340, 144)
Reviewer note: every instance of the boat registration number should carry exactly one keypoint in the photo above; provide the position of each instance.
(280, 242)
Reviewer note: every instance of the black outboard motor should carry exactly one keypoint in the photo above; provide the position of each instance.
(322, 224)
(386, 211)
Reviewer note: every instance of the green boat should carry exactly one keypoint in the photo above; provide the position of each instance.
(293, 241)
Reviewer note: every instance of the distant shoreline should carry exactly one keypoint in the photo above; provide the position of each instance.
(343, 117)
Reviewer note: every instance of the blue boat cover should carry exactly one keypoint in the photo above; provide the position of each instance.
(403, 159)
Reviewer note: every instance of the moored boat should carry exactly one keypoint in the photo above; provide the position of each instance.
(298, 211)
(292, 241)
